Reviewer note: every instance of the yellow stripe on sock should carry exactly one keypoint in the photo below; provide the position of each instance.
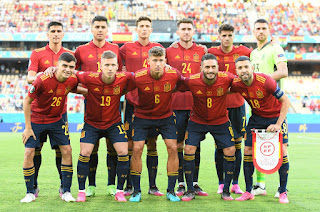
(123, 159)
(172, 173)
(189, 157)
(130, 152)
(134, 172)
(230, 158)
(247, 159)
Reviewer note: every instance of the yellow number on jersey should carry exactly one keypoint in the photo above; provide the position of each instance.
(105, 101)
(209, 102)
(186, 68)
(145, 64)
(99, 66)
(227, 65)
(255, 103)
(56, 101)
(157, 98)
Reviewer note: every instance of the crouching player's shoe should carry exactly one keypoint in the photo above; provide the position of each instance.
(278, 193)
(128, 191)
(120, 196)
(60, 190)
(81, 197)
(220, 189)
(136, 196)
(91, 191)
(226, 196)
(28, 198)
(181, 190)
(188, 196)
(246, 196)
(111, 190)
(36, 191)
(155, 191)
(236, 189)
(199, 191)
(257, 190)
(172, 196)
(66, 196)
(283, 198)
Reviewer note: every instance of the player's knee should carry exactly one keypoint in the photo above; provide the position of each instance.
(248, 150)
(229, 151)
(28, 154)
(188, 149)
(180, 144)
(284, 149)
(137, 149)
(66, 150)
(172, 148)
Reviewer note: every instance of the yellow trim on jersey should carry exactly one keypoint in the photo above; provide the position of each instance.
(260, 78)
(195, 76)
(40, 49)
(119, 75)
(171, 71)
(237, 79)
(222, 74)
(142, 73)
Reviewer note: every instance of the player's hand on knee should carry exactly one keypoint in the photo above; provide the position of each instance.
(27, 133)
(50, 71)
(273, 128)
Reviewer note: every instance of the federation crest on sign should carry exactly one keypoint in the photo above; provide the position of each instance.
(167, 87)
(267, 150)
(116, 90)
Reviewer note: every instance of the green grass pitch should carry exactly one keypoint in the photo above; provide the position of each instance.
(303, 181)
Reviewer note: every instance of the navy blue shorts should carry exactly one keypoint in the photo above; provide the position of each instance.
(182, 117)
(115, 133)
(128, 119)
(258, 122)
(166, 127)
(57, 131)
(237, 117)
(43, 136)
(221, 133)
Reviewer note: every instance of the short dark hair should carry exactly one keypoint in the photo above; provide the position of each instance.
(143, 18)
(67, 57)
(242, 58)
(185, 21)
(157, 51)
(225, 27)
(108, 55)
(54, 23)
(262, 21)
(208, 56)
(99, 18)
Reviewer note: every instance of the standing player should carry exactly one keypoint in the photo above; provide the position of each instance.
(154, 110)
(209, 114)
(185, 56)
(40, 60)
(269, 109)
(43, 108)
(226, 54)
(134, 55)
(102, 119)
(264, 59)
(89, 60)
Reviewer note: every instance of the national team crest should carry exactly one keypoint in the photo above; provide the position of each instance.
(219, 91)
(267, 150)
(167, 87)
(235, 56)
(116, 90)
(196, 57)
(259, 94)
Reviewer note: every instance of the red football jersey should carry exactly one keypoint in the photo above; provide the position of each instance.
(89, 56)
(155, 96)
(49, 98)
(135, 57)
(43, 58)
(259, 95)
(188, 62)
(226, 63)
(102, 109)
(210, 101)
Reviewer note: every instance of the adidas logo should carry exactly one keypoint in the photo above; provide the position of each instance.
(199, 92)
(177, 57)
(90, 56)
(134, 53)
(51, 91)
(96, 89)
(47, 62)
(147, 89)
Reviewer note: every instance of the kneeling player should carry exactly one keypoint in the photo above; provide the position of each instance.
(49, 94)
(269, 109)
(209, 114)
(102, 119)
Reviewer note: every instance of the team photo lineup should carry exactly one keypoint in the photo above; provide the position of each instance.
(181, 92)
